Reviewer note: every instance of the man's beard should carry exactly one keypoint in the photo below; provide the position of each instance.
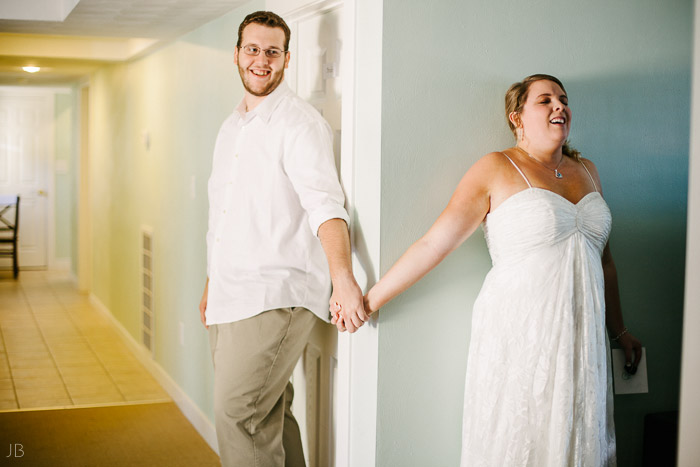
(275, 81)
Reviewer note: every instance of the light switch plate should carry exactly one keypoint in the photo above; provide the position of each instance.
(146, 139)
(624, 382)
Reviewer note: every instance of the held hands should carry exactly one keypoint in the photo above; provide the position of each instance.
(347, 306)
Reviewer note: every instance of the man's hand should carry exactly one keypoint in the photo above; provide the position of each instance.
(203, 305)
(346, 305)
(346, 301)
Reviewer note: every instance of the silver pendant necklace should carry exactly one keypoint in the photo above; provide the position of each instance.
(556, 169)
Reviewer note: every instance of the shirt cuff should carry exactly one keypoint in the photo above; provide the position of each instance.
(324, 213)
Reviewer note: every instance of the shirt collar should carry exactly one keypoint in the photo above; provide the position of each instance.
(265, 109)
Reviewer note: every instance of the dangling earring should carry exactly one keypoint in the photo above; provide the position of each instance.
(519, 134)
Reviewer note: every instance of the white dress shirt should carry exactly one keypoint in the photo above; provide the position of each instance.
(273, 183)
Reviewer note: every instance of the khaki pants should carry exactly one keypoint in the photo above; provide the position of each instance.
(253, 361)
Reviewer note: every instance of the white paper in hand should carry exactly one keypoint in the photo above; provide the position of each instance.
(623, 381)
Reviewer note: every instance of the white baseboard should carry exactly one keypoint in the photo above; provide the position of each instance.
(186, 405)
(60, 264)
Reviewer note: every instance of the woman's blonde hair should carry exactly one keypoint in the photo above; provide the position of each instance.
(515, 101)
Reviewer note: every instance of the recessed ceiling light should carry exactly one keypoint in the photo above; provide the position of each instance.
(31, 69)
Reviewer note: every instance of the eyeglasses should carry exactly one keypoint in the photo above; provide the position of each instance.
(254, 51)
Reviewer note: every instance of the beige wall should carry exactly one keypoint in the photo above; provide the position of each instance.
(178, 97)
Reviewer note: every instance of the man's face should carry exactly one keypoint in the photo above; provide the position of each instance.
(261, 74)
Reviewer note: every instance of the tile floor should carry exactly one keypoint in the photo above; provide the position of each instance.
(57, 350)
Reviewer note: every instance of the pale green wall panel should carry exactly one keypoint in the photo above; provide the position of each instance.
(64, 155)
(179, 96)
(107, 147)
(446, 67)
(74, 174)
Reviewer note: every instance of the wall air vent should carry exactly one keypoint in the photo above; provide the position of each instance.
(147, 315)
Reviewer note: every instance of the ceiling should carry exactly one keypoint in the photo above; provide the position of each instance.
(92, 33)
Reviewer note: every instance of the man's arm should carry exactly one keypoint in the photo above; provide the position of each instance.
(335, 240)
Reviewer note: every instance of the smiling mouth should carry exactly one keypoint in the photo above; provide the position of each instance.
(261, 73)
(558, 120)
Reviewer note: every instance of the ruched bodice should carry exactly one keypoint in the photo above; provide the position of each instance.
(538, 391)
(536, 219)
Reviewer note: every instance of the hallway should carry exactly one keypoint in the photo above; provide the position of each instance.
(58, 350)
(71, 391)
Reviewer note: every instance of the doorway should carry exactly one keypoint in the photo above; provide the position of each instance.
(26, 161)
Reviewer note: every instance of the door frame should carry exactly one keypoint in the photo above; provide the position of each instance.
(688, 430)
(358, 353)
(84, 234)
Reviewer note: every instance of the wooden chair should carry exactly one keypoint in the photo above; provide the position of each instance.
(9, 229)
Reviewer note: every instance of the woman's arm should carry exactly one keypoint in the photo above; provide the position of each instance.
(613, 313)
(613, 310)
(465, 211)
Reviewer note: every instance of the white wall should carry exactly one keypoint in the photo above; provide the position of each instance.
(359, 353)
(689, 430)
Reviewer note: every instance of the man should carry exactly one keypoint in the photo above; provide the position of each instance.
(273, 194)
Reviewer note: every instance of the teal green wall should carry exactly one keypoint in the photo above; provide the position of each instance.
(64, 180)
(180, 95)
(446, 66)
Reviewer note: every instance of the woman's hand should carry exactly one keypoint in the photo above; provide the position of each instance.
(367, 305)
(633, 351)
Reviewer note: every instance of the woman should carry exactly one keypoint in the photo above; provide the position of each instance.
(538, 388)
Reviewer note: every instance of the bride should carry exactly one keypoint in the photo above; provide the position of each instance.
(538, 384)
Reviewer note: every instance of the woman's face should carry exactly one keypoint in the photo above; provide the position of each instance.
(546, 117)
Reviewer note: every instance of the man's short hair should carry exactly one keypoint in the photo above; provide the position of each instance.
(266, 18)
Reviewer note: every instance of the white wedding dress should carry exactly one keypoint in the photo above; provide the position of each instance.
(538, 390)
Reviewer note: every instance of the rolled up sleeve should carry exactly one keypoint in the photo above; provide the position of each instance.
(310, 165)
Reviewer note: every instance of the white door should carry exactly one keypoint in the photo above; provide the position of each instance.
(25, 135)
(314, 73)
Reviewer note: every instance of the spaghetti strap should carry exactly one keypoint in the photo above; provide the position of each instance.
(518, 169)
(591, 176)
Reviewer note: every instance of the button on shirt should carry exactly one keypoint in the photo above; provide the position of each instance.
(273, 184)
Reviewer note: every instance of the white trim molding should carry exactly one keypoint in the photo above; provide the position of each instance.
(189, 408)
(297, 10)
(358, 354)
(61, 264)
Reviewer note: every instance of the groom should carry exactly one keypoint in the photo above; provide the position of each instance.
(277, 237)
